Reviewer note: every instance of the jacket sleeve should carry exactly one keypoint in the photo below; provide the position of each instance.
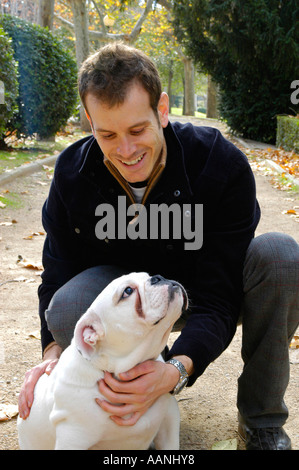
(59, 261)
(231, 214)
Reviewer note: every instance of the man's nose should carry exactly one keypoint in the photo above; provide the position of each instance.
(126, 147)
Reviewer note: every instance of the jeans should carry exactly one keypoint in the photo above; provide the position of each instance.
(269, 316)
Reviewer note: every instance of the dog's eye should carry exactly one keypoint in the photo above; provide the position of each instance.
(127, 292)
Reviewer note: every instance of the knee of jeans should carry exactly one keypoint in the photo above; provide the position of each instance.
(52, 315)
(272, 252)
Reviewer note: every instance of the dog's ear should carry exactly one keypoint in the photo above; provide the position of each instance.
(88, 333)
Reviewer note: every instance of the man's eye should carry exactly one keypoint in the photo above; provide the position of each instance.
(107, 136)
(127, 292)
(137, 131)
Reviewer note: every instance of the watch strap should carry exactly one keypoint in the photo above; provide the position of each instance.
(183, 380)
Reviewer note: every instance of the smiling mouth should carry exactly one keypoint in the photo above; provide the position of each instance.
(133, 162)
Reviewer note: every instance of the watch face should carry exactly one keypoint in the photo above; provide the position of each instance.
(180, 385)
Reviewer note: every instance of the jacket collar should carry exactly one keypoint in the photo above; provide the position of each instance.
(170, 170)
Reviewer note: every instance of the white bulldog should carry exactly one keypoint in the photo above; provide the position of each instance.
(128, 323)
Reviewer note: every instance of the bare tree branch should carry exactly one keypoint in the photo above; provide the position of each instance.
(104, 35)
(137, 28)
(100, 15)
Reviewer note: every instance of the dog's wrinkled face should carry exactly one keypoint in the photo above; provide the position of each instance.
(134, 311)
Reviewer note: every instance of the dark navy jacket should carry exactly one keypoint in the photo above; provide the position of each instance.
(202, 168)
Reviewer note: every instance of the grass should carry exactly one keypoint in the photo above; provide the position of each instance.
(11, 200)
(179, 112)
(30, 150)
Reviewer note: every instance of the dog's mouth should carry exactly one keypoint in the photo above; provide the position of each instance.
(174, 288)
(185, 300)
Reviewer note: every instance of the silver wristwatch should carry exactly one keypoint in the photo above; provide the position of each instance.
(183, 380)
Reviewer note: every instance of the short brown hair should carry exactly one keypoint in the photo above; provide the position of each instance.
(110, 72)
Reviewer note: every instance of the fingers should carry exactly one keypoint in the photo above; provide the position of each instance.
(26, 396)
(51, 366)
(125, 414)
(122, 412)
(27, 393)
(127, 421)
(117, 392)
(128, 399)
(141, 369)
(137, 389)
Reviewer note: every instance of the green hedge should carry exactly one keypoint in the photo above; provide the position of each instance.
(251, 50)
(47, 79)
(8, 76)
(287, 135)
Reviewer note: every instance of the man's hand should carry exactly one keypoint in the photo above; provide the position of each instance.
(131, 396)
(51, 358)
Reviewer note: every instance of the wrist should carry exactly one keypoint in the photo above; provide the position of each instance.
(187, 363)
(182, 367)
(52, 351)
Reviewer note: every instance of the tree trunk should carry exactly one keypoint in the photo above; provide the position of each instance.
(169, 87)
(212, 111)
(82, 46)
(46, 13)
(189, 108)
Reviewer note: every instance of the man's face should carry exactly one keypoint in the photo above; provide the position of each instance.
(129, 134)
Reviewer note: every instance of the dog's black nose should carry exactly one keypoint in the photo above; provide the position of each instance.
(157, 278)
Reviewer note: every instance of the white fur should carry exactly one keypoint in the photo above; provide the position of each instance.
(111, 336)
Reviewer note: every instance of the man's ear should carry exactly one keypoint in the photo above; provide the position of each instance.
(89, 332)
(90, 122)
(163, 109)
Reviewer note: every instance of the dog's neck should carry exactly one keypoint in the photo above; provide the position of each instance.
(117, 365)
(93, 369)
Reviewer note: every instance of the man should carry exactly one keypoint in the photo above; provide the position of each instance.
(136, 155)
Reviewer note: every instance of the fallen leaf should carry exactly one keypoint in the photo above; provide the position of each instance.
(230, 444)
(7, 224)
(32, 235)
(29, 264)
(34, 334)
(290, 211)
(8, 411)
(2, 205)
(295, 343)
